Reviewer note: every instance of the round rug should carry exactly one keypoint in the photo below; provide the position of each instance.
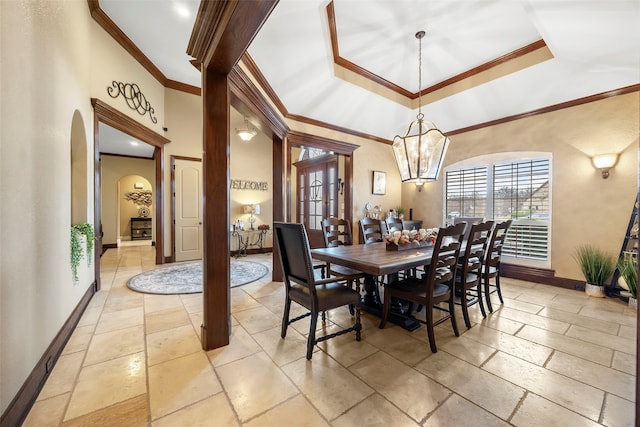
(186, 278)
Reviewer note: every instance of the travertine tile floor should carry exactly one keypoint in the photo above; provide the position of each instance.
(549, 356)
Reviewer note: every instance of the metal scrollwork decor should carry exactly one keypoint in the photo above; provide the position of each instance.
(134, 97)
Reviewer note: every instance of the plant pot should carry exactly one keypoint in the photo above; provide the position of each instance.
(633, 302)
(594, 290)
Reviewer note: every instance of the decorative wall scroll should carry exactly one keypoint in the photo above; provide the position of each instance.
(241, 184)
(134, 97)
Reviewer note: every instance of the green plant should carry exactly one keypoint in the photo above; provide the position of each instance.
(400, 210)
(628, 267)
(596, 265)
(76, 248)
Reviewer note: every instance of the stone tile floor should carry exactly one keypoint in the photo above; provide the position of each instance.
(548, 356)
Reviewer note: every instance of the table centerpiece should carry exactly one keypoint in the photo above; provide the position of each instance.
(410, 239)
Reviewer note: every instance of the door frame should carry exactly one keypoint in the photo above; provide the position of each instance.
(173, 159)
(104, 113)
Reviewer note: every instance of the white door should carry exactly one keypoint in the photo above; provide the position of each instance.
(188, 209)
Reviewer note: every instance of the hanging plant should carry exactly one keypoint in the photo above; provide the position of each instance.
(76, 248)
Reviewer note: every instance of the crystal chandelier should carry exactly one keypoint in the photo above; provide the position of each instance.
(420, 150)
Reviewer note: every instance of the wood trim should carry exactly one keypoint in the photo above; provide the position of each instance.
(22, 402)
(253, 69)
(124, 123)
(128, 156)
(110, 246)
(193, 159)
(305, 139)
(183, 87)
(573, 103)
(538, 275)
(158, 155)
(121, 38)
(278, 194)
(245, 93)
(363, 72)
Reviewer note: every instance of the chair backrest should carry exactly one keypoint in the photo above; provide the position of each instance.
(494, 250)
(336, 232)
(446, 251)
(479, 237)
(371, 230)
(470, 221)
(393, 223)
(295, 254)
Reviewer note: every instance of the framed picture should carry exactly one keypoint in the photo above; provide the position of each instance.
(138, 186)
(379, 182)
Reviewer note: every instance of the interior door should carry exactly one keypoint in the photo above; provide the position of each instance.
(317, 195)
(188, 209)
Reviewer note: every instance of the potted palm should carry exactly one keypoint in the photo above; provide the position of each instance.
(628, 268)
(597, 266)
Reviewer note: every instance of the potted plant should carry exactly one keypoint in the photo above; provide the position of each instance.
(77, 254)
(628, 268)
(597, 266)
(400, 212)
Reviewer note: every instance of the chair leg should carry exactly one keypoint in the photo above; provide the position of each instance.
(479, 295)
(430, 331)
(452, 311)
(487, 292)
(351, 309)
(498, 288)
(358, 324)
(311, 340)
(285, 317)
(465, 307)
(385, 310)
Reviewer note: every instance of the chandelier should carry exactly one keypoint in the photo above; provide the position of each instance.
(420, 150)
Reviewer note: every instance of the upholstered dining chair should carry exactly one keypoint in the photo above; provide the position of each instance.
(469, 275)
(370, 230)
(491, 265)
(337, 232)
(435, 286)
(302, 287)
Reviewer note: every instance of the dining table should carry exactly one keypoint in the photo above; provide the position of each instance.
(375, 260)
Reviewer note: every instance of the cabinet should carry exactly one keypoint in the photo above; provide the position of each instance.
(629, 246)
(140, 228)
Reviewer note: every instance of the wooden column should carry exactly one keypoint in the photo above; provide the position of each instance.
(278, 200)
(216, 326)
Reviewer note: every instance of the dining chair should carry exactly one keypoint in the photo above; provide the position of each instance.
(370, 230)
(469, 274)
(337, 232)
(470, 221)
(302, 287)
(491, 264)
(393, 223)
(435, 286)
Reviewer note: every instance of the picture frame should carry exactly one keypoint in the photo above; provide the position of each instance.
(379, 183)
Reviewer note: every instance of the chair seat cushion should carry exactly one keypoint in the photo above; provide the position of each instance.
(330, 295)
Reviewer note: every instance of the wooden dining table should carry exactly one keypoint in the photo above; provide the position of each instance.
(374, 260)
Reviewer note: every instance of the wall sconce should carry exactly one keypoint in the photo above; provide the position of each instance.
(252, 209)
(604, 162)
(247, 133)
(419, 184)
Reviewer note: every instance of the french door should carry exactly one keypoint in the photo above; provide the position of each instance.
(317, 194)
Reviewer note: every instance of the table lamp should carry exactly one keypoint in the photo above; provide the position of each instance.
(252, 209)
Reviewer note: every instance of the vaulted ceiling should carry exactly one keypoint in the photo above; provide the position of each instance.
(354, 63)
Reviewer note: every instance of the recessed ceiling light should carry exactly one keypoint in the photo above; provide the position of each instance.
(134, 143)
(181, 10)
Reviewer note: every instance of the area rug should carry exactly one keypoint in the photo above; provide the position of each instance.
(186, 278)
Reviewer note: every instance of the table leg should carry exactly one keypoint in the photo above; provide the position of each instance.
(371, 304)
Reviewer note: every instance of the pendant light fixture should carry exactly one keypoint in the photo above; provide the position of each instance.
(247, 133)
(421, 148)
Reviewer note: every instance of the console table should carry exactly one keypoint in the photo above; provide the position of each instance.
(247, 239)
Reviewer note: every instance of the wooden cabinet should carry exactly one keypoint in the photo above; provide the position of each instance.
(141, 228)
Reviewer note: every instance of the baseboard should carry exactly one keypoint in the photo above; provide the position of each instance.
(21, 404)
(538, 275)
